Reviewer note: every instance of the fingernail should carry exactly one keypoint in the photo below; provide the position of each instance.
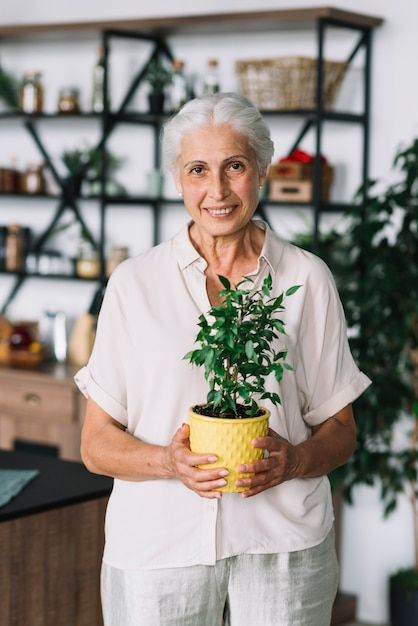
(223, 472)
(212, 459)
(222, 483)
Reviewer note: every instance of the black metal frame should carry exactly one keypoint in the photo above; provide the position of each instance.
(313, 119)
(69, 199)
(317, 118)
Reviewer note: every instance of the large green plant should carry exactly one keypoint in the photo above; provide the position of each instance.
(376, 267)
(236, 348)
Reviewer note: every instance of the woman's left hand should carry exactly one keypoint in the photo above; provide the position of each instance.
(280, 465)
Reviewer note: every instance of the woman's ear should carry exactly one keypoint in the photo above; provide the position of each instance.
(179, 189)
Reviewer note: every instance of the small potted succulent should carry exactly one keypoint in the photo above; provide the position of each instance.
(239, 346)
(158, 77)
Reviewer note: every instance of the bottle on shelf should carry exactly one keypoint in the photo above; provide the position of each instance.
(117, 255)
(3, 237)
(87, 263)
(33, 180)
(14, 257)
(9, 178)
(179, 91)
(97, 100)
(211, 83)
(31, 93)
(69, 100)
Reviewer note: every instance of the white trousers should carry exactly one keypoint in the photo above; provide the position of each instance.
(289, 589)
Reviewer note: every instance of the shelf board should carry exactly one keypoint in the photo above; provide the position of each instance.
(204, 23)
(7, 115)
(30, 196)
(49, 276)
(139, 117)
(326, 207)
(329, 116)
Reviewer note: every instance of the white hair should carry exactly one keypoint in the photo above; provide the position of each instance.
(221, 108)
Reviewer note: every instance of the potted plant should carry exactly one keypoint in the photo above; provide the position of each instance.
(158, 77)
(86, 165)
(375, 264)
(239, 346)
(9, 89)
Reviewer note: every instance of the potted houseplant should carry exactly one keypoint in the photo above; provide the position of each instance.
(158, 77)
(375, 263)
(86, 165)
(9, 89)
(239, 346)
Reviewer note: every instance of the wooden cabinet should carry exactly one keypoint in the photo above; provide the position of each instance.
(41, 407)
(51, 545)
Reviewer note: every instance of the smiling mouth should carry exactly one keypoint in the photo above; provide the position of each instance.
(221, 212)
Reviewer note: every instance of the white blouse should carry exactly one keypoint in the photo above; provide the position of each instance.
(137, 374)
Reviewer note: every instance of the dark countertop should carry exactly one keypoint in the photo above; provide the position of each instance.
(59, 483)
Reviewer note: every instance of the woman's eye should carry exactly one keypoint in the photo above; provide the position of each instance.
(197, 169)
(236, 166)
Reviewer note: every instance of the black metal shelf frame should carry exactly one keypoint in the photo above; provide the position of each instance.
(314, 119)
(320, 116)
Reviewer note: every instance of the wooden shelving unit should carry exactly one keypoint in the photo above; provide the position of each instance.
(156, 31)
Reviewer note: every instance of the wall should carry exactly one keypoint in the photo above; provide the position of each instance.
(372, 548)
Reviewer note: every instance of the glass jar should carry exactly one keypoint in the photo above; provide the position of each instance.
(87, 264)
(13, 258)
(69, 100)
(9, 180)
(117, 255)
(33, 180)
(31, 93)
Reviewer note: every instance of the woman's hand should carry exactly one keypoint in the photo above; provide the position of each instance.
(280, 465)
(182, 464)
(331, 444)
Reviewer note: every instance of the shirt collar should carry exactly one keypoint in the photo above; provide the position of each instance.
(187, 254)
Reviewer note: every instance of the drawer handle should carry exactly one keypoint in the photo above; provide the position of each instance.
(32, 399)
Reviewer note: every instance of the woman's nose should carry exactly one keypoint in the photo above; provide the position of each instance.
(218, 187)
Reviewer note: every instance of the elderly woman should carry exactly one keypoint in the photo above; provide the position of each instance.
(176, 551)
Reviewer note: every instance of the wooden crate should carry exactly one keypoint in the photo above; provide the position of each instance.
(295, 170)
(295, 190)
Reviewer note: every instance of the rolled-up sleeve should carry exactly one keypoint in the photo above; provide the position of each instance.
(104, 377)
(328, 378)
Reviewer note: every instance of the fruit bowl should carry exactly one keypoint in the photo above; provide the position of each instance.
(26, 358)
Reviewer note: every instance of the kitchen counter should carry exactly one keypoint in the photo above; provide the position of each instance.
(51, 544)
(59, 483)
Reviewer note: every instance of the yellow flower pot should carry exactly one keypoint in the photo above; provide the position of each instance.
(230, 440)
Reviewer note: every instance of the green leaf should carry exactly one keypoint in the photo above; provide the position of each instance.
(279, 325)
(225, 282)
(249, 350)
(293, 290)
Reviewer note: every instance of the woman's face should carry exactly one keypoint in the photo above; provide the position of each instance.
(219, 179)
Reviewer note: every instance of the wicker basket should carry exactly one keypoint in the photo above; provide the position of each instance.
(288, 83)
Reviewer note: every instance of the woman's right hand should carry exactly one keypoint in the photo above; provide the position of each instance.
(183, 464)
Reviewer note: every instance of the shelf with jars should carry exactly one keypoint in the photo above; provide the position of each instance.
(166, 68)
